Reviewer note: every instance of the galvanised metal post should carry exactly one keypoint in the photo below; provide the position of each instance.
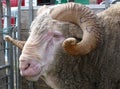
(18, 77)
(1, 15)
(107, 3)
(30, 11)
(9, 53)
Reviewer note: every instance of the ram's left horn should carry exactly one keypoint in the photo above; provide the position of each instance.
(19, 44)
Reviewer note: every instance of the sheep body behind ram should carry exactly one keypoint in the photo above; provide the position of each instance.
(66, 60)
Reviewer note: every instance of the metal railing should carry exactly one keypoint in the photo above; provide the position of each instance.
(6, 51)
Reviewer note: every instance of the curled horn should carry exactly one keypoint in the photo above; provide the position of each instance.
(19, 44)
(86, 19)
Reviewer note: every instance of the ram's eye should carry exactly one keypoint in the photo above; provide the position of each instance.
(57, 34)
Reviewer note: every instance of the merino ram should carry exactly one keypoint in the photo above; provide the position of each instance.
(64, 59)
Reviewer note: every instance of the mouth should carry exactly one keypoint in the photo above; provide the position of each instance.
(32, 73)
(31, 70)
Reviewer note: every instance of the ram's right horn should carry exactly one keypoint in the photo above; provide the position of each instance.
(84, 18)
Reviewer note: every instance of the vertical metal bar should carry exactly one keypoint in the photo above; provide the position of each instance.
(18, 77)
(1, 15)
(8, 13)
(19, 18)
(14, 58)
(10, 57)
(30, 20)
(107, 4)
(30, 11)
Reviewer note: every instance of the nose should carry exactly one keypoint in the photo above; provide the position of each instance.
(29, 67)
(24, 62)
(23, 66)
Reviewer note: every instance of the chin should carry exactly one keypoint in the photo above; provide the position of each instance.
(33, 78)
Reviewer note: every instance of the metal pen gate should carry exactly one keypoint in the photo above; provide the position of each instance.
(9, 73)
(6, 65)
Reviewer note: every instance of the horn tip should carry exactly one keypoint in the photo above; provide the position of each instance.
(7, 38)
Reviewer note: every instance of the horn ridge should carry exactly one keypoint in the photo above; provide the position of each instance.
(86, 19)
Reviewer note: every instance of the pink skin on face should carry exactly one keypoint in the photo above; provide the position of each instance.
(29, 69)
(35, 58)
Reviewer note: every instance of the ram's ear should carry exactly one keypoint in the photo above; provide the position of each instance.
(42, 9)
(19, 44)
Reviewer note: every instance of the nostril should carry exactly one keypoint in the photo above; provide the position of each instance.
(28, 65)
(24, 65)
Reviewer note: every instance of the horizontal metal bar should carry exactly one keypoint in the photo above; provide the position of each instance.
(4, 32)
(92, 6)
(6, 84)
(5, 49)
(4, 66)
(4, 15)
(2, 49)
(4, 76)
(6, 29)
